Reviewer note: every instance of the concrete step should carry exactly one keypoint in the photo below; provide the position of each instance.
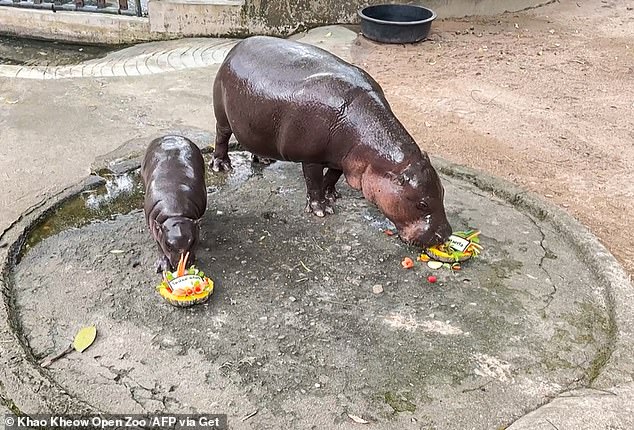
(138, 60)
(196, 17)
(168, 56)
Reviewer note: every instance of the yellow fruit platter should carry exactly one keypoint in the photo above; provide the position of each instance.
(461, 246)
(185, 286)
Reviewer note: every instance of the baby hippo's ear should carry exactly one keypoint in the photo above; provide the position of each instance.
(398, 179)
(157, 229)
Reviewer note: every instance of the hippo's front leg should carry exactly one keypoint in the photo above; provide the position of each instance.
(316, 200)
(163, 264)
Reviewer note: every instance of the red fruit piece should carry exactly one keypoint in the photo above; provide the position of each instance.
(431, 279)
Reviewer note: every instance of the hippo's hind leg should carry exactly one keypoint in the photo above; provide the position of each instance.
(316, 199)
(220, 159)
(330, 180)
(262, 160)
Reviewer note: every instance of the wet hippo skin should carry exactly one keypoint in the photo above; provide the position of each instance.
(173, 172)
(290, 101)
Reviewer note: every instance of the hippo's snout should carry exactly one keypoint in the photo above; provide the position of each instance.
(442, 234)
(175, 256)
(426, 233)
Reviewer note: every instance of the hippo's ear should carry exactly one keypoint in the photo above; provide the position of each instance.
(158, 229)
(398, 179)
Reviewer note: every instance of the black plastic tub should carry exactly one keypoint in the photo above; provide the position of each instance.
(396, 23)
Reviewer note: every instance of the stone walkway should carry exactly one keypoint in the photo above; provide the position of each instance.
(138, 60)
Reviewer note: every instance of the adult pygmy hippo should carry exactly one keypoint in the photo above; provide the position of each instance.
(291, 101)
(173, 172)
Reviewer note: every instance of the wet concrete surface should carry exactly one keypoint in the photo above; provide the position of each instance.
(30, 52)
(294, 330)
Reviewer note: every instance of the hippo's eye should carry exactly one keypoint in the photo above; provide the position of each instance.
(422, 205)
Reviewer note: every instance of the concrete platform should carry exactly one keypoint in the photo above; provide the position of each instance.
(294, 325)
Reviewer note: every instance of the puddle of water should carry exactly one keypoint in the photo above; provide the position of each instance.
(115, 187)
(119, 195)
(242, 170)
(123, 194)
(31, 52)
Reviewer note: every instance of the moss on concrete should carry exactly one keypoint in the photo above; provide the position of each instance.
(399, 402)
(7, 402)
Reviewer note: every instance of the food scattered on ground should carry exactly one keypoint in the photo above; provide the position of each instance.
(423, 257)
(431, 279)
(434, 264)
(407, 263)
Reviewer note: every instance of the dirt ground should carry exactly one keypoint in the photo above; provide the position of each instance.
(542, 98)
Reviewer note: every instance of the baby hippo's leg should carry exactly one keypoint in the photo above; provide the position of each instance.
(316, 200)
(163, 263)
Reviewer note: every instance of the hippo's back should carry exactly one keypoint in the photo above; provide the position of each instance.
(173, 172)
(286, 100)
(286, 65)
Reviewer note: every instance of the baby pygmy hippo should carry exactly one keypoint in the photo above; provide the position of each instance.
(173, 172)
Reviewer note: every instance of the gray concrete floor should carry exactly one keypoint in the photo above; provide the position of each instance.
(294, 323)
